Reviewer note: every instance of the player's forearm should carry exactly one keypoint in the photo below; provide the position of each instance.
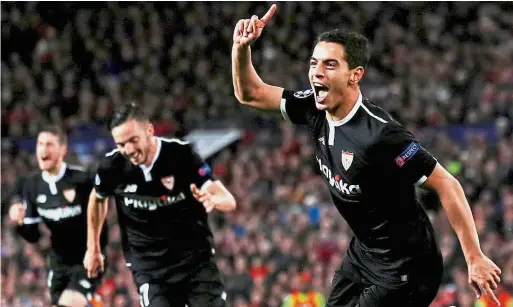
(96, 213)
(246, 81)
(460, 216)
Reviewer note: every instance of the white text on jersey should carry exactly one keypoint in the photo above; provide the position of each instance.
(153, 204)
(57, 214)
(343, 187)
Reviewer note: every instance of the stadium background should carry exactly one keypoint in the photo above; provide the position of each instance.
(443, 69)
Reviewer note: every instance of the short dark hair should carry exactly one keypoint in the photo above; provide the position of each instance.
(125, 112)
(57, 131)
(356, 45)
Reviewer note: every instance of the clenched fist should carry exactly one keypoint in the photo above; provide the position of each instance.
(17, 213)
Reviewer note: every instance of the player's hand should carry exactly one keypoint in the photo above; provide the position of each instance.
(248, 30)
(93, 263)
(483, 276)
(203, 197)
(17, 213)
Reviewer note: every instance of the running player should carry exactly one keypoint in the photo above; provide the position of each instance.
(163, 192)
(58, 196)
(371, 164)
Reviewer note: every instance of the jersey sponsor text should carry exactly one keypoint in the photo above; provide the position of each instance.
(337, 182)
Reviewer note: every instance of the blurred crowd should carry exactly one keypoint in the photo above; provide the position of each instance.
(433, 65)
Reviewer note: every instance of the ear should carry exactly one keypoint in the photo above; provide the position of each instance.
(356, 75)
(150, 129)
(64, 150)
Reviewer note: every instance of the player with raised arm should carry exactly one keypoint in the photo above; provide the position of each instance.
(163, 192)
(371, 164)
(58, 196)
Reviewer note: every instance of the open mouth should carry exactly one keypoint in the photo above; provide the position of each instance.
(321, 91)
(45, 158)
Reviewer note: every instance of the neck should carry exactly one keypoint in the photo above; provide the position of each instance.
(345, 105)
(152, 152)
(54, 171)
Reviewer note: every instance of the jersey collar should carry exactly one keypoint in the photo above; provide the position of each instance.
(147, 169)
(349, 115)
(53, 179)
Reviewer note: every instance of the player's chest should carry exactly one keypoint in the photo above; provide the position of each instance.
(164, 186)
(342, 162)
(160, 180)
(59, 201)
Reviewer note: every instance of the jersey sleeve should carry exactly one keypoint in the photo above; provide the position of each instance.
(199, 172)
(299, 107)
(105, 180)
(402, 156)
(29, 230)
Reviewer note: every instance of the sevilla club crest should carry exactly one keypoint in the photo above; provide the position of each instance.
(168, 182)
(347, 159)
(69, 194)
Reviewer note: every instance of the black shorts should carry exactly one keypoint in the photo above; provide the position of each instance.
(201, 286)
(349, 289)
(73, 277)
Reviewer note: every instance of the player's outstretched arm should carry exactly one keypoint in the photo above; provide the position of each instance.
(214, 196)
(96, 213)
(483, 273)
(248, 86)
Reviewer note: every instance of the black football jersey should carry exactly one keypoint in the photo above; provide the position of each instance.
(162, 224)
(371, 165)
(61, 203)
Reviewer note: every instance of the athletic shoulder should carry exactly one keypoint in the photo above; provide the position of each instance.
(174, 142)
(112, 160)
(385, 126)
(79, 174)
(175, 146)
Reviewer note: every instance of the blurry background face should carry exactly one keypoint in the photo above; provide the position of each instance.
(50, 152)
(133, 140)
(328, 74)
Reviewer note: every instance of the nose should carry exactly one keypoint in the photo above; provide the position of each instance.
(129, 149)
(318, 72)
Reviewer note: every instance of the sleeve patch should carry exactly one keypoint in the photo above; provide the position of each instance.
(407, 154)
(303, 94)
(205, 170)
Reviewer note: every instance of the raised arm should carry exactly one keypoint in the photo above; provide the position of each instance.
(248, 86)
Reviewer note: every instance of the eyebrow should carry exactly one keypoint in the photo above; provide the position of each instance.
(325, 60)
(128, 140)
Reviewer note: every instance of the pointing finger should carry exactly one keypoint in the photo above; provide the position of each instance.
(491, 294)
(269, 14)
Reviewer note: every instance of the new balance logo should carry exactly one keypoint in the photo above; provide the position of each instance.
(130, 188)
(321, 140)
